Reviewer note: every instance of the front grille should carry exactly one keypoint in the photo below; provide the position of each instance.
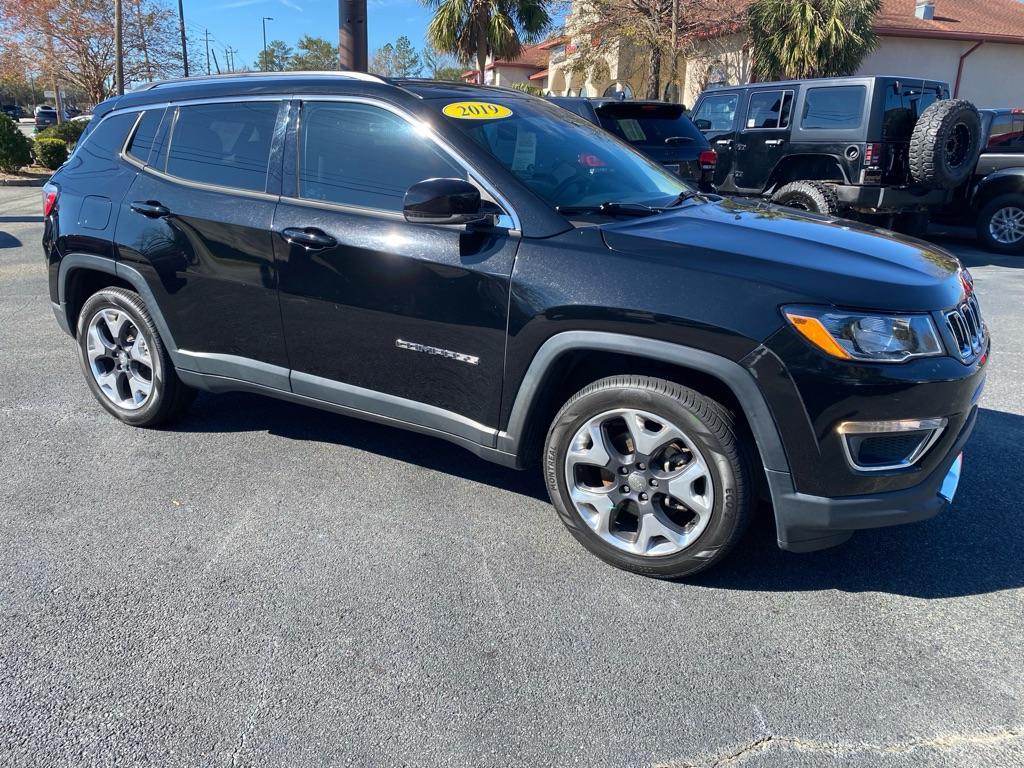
(967, 328)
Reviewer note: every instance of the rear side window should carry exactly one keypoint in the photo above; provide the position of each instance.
(104, 142)
(365, 156)
(224, 144)
(769, 109)
(145, 135)
(1007, 133)
(649, 124)
(839, 107)
(716, 113)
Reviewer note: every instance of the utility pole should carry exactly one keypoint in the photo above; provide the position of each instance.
(229, 57)
(184, 43)
(118, 49)
(266, 63)
(206, 35)
(352, 53)
(215, 61)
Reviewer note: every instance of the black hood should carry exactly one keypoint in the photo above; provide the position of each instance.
(822, 259)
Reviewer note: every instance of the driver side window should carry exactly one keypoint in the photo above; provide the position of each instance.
(364, 156)
(716, 113)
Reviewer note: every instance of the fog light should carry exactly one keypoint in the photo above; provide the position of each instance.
(878, 446)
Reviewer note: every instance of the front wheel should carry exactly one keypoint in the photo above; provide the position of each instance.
(1000, 224)
(648, 475)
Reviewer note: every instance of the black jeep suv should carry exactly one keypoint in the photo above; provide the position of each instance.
(886, 149)
(482, 266)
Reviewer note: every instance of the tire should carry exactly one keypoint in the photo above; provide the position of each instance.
(945, 143)
(649, 530)
(813, 196)
(120, 351)
(1000, 224)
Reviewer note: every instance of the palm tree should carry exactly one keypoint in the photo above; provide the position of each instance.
(478, 28)
(794, 39)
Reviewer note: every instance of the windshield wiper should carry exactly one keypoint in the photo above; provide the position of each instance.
(679, 140)
(610, 209)
(683, 197)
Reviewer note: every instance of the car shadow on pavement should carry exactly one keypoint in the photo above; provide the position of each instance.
(967, 248)
(972, 548)
(240, 412)
(8, 240)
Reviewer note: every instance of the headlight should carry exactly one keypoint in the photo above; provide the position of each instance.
(864, 335)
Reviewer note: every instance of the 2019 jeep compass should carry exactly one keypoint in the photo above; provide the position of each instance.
(479, 265)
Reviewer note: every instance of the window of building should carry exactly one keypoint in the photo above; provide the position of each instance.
(365, 156)
(225, 144)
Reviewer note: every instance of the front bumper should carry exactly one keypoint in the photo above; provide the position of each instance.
(806, 523)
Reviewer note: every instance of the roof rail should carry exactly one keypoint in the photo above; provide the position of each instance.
(228, 76)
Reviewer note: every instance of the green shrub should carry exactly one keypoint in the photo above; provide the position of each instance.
(69, 132)
(51, 153)
(15, 147)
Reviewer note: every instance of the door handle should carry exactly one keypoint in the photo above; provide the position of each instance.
(150, 208)
(310, 238)
(724, 142)
(773, 142)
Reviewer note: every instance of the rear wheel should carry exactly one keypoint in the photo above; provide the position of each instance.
(648, 475)
(125, 362)
(1000, 224)
(813, 196)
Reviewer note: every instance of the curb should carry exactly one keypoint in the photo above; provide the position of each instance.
(22, 182)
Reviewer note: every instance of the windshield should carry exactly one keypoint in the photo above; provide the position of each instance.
(564, 159)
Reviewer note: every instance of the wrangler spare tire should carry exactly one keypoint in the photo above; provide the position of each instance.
(945, 144)
(813, 196)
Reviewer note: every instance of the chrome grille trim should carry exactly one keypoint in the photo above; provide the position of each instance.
(967, 329)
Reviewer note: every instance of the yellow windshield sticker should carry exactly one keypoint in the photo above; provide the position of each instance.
(476, 110)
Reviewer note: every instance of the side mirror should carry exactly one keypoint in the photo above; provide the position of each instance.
(702, 125)
(444, 201)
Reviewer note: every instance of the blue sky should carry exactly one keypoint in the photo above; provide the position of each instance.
(236, 23)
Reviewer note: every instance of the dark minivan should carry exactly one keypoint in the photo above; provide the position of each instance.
(482, 266)
(660, 130)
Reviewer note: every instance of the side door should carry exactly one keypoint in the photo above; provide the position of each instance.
(380, 315)
(197, 224)
(761, 142)
(715, 117)
(1005, 147)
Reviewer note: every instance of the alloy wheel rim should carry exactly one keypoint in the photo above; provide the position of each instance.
(639, 482)
(119, 359)
(1007, 225)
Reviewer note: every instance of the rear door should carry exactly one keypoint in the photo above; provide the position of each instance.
(716, 116)
(762, 140)
(196, 223)
(382, 315)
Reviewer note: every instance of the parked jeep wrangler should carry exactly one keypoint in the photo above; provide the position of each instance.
(874, 147)
(480, 265)
(992, 199)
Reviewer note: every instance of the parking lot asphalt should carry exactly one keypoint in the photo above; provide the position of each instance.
(266, 585)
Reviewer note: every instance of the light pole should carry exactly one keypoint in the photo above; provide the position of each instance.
(266, 63)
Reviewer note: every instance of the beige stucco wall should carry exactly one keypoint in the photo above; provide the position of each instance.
(993, 75)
